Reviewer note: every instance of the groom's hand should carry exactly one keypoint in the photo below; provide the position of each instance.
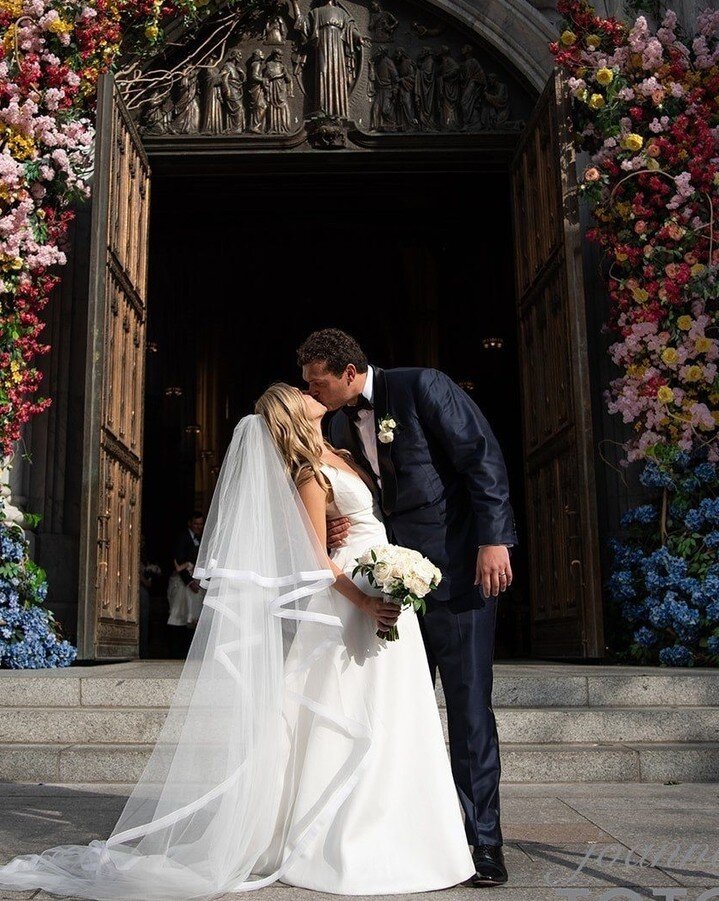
(337, 531)
(494, 573)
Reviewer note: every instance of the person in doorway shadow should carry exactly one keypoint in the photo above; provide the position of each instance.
(184, 593)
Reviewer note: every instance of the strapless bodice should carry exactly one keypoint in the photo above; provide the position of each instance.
(353, 499)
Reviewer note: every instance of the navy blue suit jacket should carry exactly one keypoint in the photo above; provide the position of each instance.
(444, 480)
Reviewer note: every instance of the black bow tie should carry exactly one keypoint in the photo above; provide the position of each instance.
(353, 411)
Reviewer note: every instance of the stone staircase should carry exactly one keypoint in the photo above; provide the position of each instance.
(557, 723)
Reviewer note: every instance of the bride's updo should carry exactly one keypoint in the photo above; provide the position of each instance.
(283, 409)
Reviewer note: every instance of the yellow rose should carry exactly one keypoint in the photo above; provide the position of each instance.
(641, 295)
(698, 268)
(581, 94)
(716, 174)
(665, 395)
(685, 323)
(59, 26)
(703, 344)
(653, 164)
(632, 142)
(714, 397)
(605, 76)
(568, 38)
(593, 41)
(693, 374)
(715, 415)
(596, 101)
(151, 32)
(670, 355)
(621, 256)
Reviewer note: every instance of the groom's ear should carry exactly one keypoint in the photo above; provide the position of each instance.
(350, 373)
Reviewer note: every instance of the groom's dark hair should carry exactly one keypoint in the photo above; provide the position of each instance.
(333, 347)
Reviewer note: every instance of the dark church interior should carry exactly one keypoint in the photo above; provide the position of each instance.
(415, 262)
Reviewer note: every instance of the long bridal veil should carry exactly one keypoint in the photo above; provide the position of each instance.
(217, 809)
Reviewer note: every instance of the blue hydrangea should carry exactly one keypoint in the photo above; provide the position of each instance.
(621, 585)
(644, 514)
(28, 638)
(705, 472)
(11, 550)
(634, 611)
(654, 477)
(645, 637)
(713, 645)
(712, 611)
(682, 459)
(678, 655)
(694, 519)
(709, 508)
(31, 643)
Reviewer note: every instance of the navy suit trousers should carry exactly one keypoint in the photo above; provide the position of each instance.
(459, 639)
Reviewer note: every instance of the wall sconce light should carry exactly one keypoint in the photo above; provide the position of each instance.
(467, 385)
(193, 429)
(173, 391)
(152, 347)
(493, 342)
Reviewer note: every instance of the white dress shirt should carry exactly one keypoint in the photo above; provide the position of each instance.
(365, 426)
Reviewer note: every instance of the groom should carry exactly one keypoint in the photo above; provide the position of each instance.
(441, 483)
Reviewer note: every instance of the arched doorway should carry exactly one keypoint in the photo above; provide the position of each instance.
(410, 191)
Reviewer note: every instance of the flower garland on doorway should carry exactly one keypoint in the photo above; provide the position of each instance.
(51, 55)
(647, 110)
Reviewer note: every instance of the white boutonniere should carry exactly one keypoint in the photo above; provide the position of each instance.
(387, 425)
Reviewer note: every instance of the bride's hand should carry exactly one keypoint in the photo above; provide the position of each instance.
(384, 614)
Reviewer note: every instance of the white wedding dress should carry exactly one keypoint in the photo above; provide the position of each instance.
(400, 830)
(298, 746)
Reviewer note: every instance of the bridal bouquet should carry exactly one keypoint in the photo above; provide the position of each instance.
(404, 576)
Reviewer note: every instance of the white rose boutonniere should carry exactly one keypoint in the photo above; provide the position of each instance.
(387, 425)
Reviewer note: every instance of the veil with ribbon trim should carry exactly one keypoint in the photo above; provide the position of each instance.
(216, 809)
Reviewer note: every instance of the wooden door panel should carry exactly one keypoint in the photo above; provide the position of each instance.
(109, 589)
(561, 499)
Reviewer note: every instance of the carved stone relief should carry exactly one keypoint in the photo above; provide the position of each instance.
(303, 66)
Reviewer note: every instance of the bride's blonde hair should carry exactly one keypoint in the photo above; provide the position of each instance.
(284, 411)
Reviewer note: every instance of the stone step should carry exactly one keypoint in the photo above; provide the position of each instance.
(138, 725)
(151, 684)
(525, 762)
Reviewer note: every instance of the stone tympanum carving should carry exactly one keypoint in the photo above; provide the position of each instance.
(384, 81)
(257, 92)
(232, 79)
(382, 24)
(275, 30)
(279, 89)
(248, 85)
(211, 96)
(336, 45)
(407, 74)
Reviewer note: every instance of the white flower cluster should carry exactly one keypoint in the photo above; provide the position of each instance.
(399, 570)
(386, 430)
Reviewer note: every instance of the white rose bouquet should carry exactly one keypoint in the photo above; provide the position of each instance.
(404, 576)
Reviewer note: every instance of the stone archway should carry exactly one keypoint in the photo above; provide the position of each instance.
(514, 28)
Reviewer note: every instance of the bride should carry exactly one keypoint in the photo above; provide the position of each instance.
(298, 746)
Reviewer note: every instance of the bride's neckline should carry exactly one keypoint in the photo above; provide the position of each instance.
(352, 475)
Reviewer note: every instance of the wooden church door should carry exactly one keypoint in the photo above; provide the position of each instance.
(108, 608)
(562, 539)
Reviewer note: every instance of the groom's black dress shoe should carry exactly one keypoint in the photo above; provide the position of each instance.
(489, 864)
